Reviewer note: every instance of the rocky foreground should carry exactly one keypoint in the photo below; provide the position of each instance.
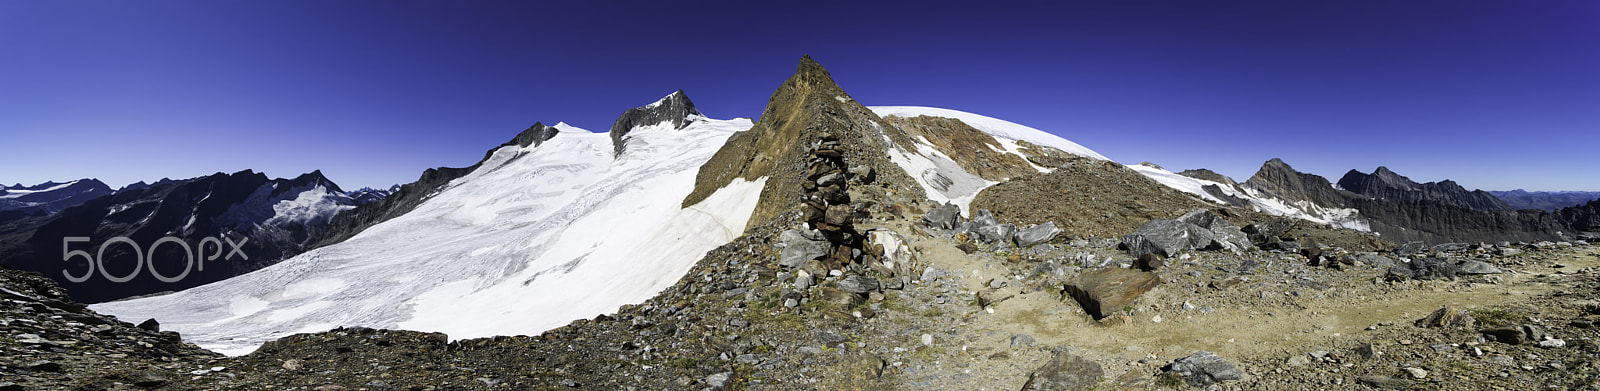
(983, 310)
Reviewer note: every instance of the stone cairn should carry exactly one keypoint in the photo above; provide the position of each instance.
(827, 201)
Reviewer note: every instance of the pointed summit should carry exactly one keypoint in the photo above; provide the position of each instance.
(675, 108)
(534, 135)
(806, 109)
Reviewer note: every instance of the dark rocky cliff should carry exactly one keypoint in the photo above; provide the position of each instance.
(1384, 184)
(1278, 179)
(675, 108)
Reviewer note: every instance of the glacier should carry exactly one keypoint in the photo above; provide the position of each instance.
(531, 240)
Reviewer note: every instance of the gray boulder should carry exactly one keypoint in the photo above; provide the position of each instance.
(1166, 238)
(984, 218)
(1375, 260)
(1204, 368)
(1223, 233)
(798, 248)
(1064, 372)
(945, 216)
(856, 283)
(1037, 233)
(1477, 267)
(1423, 269)
(1410, 248)
(998, 233)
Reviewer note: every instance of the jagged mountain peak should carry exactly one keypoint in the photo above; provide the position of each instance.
(534, 135)
(675, 108)
(1386, 184)
(1278, 179)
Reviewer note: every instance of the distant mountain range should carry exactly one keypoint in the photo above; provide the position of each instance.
(1546, 200)
(265, 220)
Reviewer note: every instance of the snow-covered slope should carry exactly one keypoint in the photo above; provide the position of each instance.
(531, 240)
(996, 127)
(945, 181)
(1306, 210)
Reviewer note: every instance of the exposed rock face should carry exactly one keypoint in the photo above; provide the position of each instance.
(1278, 179)
(241, 208)
(1386, 185)
(1424, 212)
(47, 198)
(406, 197)
(807, 105)
(1103, 292)
(675, 108)
(1436, 222)
(1584, 217)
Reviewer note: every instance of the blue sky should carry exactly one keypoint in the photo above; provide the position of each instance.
(1496, 95)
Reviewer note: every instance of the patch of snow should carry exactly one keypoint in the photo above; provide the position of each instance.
(993, 126)
(16, 193)
(1337, 217)
(531, 240)
(941, 178)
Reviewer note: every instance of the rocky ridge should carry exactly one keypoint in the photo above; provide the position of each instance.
(238, 206)
(674, 108)
(1384, 184)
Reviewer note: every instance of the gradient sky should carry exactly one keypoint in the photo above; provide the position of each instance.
(1496, 95)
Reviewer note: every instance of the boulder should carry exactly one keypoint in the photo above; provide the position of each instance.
(1102, 292)
(1423, 269)
(984, 218)
(797, 250)
(945, 216)
(1166, 238)
(856, 283)
(1037, 233)
(1269, 231)
(897, 255)
(831, 179)
(1375, 260)
(998, 233)
(839, 215)
(1223, 233)
(1386, 382)
(1410, 248)
(1477, 267)
(1447, 317)
(863, 174)
(1064, 372)
(1203, 369)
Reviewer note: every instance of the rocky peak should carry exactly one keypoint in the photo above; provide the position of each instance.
(534, 135)
(1278, 179)
(675, 108)
(1208, 175)
(1388, 185)
(805, 110)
